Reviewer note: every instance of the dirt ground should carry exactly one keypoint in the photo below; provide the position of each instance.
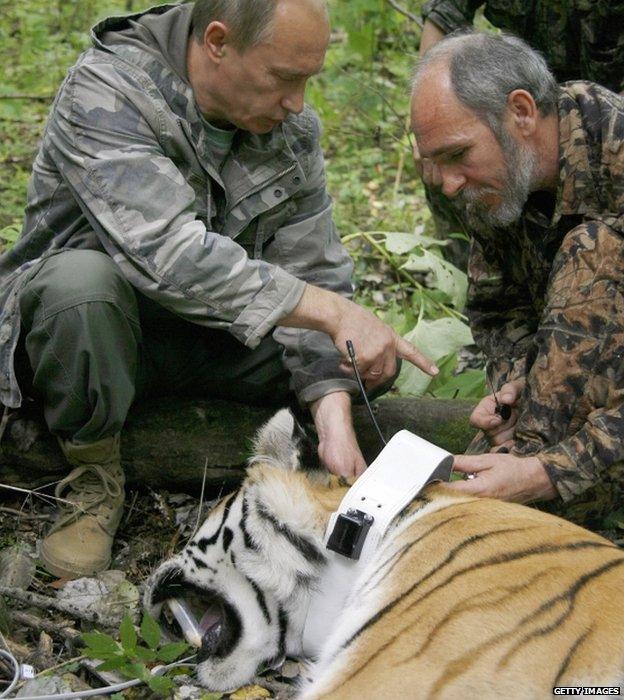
(155, 524)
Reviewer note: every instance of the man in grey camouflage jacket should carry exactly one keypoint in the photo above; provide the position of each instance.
(536, 175)
(178, 214)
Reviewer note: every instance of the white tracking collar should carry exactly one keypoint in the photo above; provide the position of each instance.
(401, 470)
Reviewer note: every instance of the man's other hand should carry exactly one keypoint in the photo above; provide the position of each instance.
(484, 416)
(504, 476)
(338, 447)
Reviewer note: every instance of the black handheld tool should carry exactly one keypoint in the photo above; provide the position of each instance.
(502, 409)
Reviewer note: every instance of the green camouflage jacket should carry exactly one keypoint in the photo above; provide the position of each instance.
(581, 39)
(125, 167)
(531, 320)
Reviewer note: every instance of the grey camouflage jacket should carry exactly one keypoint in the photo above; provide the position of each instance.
(125, 167)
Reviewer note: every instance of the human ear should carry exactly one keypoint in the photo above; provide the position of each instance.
(523, 111)
(215, 39)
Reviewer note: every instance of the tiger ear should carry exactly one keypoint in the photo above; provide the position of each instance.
(279, 441)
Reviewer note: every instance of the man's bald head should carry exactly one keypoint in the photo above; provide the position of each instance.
(483, 69)
(250, 22)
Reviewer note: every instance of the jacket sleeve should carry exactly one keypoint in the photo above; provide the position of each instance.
(449, 15)
(105, 136)
(502, 321)
(308, 246)
(573, 415)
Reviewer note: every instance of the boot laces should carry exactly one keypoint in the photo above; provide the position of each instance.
(87, 487)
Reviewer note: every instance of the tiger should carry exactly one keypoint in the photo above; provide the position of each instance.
(465, 597)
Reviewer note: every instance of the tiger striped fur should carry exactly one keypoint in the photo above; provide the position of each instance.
(467, 598)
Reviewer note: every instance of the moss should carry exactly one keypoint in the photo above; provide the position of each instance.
(452, 435)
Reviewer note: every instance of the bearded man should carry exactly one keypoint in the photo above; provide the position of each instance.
(536, 175)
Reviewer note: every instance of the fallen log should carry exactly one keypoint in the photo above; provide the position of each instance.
(168, 444)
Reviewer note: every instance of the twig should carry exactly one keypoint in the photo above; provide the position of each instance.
(368, 237)
(4, 421)
(24, 515)
(39, 623)
(131, 509)
(45, 602)
(21, 96)
(367, 117)
(399, 175)
(405, 12)
(43, 496)
(201, 499)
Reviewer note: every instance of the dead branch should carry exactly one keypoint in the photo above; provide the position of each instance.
(44, 602)
(24, 515)
(405, 12)
(40, 623)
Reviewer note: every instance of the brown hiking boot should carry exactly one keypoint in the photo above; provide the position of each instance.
(80, 541)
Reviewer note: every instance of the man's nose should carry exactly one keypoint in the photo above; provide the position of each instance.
(452, 183)
(293, 102)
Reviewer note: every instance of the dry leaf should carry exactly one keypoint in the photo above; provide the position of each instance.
(251, 692)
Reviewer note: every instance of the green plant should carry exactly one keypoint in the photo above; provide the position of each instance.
(132, 658)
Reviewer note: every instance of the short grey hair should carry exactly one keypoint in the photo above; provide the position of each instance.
(485, 68)
(249, 21)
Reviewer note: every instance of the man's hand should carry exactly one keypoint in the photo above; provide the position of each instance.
(504, 476)
(485, 417)
(338, 447)
(376, 345)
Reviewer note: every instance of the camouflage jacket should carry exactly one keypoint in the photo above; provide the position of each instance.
(581, 39)
(125, 167)
(572, 413)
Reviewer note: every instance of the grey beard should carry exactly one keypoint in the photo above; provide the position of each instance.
(521, 167)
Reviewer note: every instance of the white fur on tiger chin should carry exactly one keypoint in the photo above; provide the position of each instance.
(450, 578)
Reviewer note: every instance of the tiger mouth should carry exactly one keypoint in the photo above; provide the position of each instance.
(217, 623)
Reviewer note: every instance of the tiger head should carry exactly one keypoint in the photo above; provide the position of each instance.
(249, 570)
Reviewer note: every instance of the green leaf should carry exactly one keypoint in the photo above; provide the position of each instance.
(362, 42)
(145, 654)
(401, 243)
(71, 667)
(136, 671)
(127, 635)
(161, 685)
(447, 278)
(437, 339)
(113, 664)
(467, 385)
(211, 696)
(171, 652)
(101, 646)
(10, 233)
(150, 631)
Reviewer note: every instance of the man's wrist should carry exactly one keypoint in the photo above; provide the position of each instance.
(337, 402)
(332, 412)
(318, 309)
(544, 487)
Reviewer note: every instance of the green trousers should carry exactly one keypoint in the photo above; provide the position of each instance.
(91, 345)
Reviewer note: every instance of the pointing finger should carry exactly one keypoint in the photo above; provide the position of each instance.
(406, 351)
